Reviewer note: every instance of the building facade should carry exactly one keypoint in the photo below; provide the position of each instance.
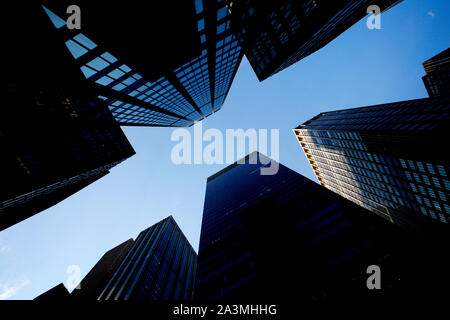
(56, 136)
(276, 34)
(53, 146)
(283, 237)
(94, 282)
(160, 265)
(57, 293)
(387, 158)
(191, 80)
(437, 78)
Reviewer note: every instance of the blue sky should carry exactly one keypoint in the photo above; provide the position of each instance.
(361, 67)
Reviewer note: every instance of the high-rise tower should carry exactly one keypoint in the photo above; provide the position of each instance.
(167, 63)
(160, 265)
(56, 136)
(437, 79)
(276, 34)
(387, 158)
(284, 237)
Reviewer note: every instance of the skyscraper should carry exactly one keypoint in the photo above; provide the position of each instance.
(276, 34)
(94, 282)
(388, 158)
(437, 79)
(160, 265)
(56, 136)
(165, 63)
(57, 293)
(282, 236)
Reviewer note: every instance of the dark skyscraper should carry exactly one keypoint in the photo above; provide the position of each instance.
(437, 79)
(276, 34)
(95, 281)
(57, 293)
(167, 63)
(56, 136)
(282, 236)
(389, 158)
(160, 265)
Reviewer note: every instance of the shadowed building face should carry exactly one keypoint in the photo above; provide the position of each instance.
(276, 34)
(92, 285)
(155, 64)
(269, 238)
(56, 136)
(160, 265)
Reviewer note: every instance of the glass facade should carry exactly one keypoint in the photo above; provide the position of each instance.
(437, 79)
(386, 158)
(180, 97)
(160, 265)
(53, 145)
(286, 237)
(276, 34)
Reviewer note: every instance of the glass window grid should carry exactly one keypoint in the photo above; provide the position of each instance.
(331, 162)
(167, 97)
(194, 76)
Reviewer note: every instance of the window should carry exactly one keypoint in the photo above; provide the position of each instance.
(403, 163)
(57, 21)
(441, 170)
(85, 41)
(104, 80)
(430, 168)
(436, 182)
(201, 24)
(109, 57)
(420, 166)
(75, 49)
(88, 72)
(447, 184)
(442, 196)
(117, 73)
(221, 13)
(431, 193)
(416, 177)
(199, 6)
(98, 64)
(419, 199)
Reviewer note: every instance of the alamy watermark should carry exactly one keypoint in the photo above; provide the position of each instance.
(220, 150)
(74, 279)
(74, 20)
(374, 280)
(374, 20)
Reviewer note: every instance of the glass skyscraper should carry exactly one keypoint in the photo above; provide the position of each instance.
(389, 158)
(437, 79)
(94, 282)
(176, 94)
(283, 236)
(53, 146)
(160, 265)
(276, 34)
(56, 136)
